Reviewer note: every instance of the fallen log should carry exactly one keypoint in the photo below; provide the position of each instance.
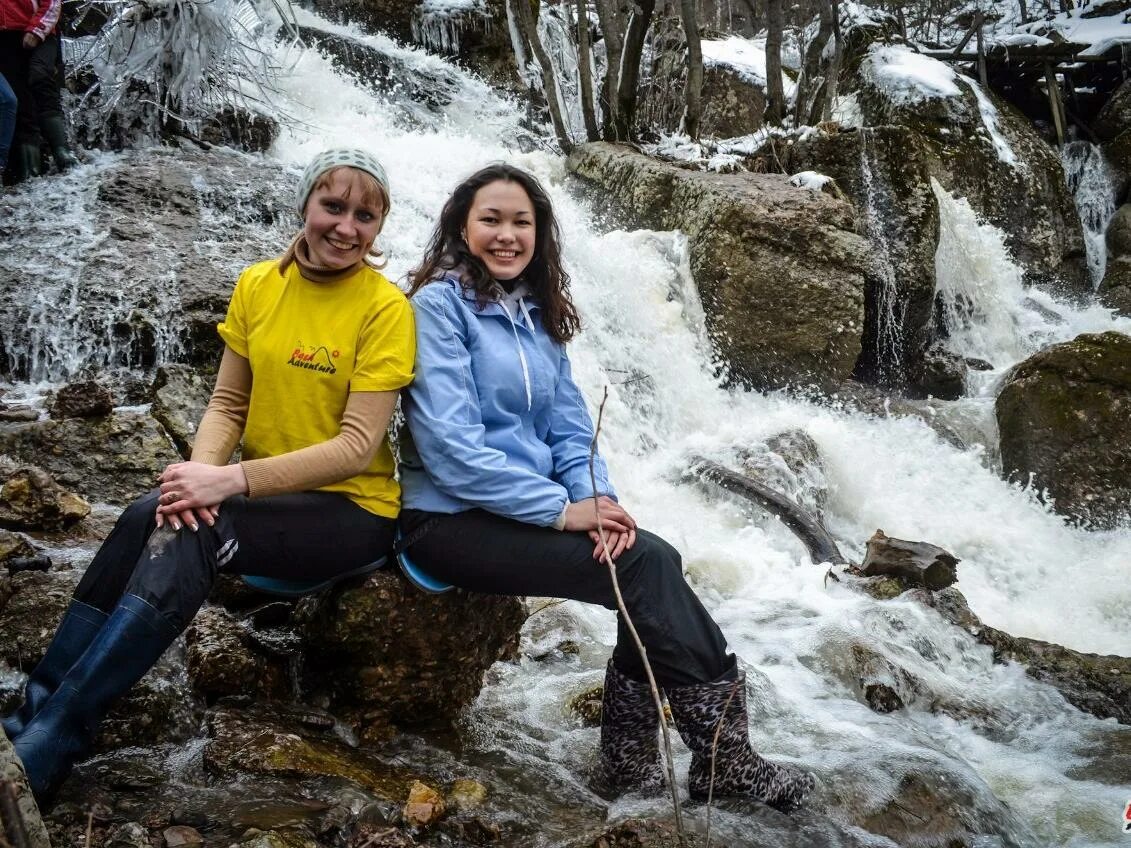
(919, 563)
(808, 529)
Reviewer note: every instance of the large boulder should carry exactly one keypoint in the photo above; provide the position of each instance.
(981, 148)
(1115, 288)
(733, 102)
(1064, 415)
(31, 500)
(386, 653)
(780, 269)
(155, 272)
(112, 459)
(180, 394)
(886, 170)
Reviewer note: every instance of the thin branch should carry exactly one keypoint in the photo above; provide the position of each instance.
(714, 749)
(607, 557)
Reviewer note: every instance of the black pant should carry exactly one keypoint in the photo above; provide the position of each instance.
(35, 78)
(481, 552)
(304, 536)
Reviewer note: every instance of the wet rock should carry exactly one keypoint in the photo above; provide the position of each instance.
(1095, 683)
(638, 833)
(1064, 415)
(393, 17)
(386, 652)
(282, 839)
(87, 399)
(732, 102)
(31, 500)
(586, 706)
(159, 708)
(938, 373)
(241, 129)
(181, 836)
(780, 270)
(152, 217)
(917, 563)
(1115, 116)
(13, 546)
(218, 657)
(790, 464)
(14, 781)
(933, 807)
(1118, 234)
(36, 603)
(424, 807)
(181, 392)
(1115, 288)
(465, 794)
(113, 459)
(1028, 198)
(128, 835)
(269, 742)
(886, 170)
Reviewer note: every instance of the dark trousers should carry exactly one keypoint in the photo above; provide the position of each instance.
(308, 535)
(8, 106)
(482, 552)
(35, 78)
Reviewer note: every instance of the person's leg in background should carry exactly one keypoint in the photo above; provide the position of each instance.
(45, 81)
(23, 156)
(8, 107)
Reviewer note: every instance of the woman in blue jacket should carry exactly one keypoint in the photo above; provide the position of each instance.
(498, 496)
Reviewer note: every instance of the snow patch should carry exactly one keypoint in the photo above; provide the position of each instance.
(989, 121)
(907, 76)
(811, 180)
(744, 56)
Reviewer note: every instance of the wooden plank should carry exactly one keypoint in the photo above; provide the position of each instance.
(1055, 103)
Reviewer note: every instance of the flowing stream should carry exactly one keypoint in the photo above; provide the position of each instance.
(987, 729)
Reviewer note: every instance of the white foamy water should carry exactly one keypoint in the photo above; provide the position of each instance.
(985, 729)
(645, 339)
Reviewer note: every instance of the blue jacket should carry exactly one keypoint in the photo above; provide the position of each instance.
(495, 419)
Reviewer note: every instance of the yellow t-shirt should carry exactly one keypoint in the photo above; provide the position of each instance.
(311, 344)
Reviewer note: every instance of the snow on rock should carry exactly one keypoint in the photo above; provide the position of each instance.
(1099, 33)
(989, 120)
(908, 77)
(745, 56)
(811, 180)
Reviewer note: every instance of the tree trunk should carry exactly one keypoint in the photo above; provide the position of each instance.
(549, 82)
(586, 70)
(775, 92)
(629, 74)
(810, 83)
(693, 91)
(612, 27)
(833, 74)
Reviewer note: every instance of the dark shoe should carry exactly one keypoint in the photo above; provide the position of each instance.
(698, 710)
(129, 643)
(76, 631)
(54, 129)
(25, 162)
(630, 727)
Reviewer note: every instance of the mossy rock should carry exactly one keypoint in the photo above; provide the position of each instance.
(1064, 415)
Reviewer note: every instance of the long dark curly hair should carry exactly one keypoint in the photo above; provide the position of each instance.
(545, 275)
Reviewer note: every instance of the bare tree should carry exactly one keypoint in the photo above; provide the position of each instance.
(520, 9)
(811, 81)
(629, 74)
(832, 75)
(693, 92)
(612, 27)
(775, 91)
(585, 72)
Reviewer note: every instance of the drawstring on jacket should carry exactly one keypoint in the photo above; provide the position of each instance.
(516, 297)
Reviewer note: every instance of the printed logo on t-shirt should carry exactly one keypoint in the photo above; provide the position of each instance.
(314, 358)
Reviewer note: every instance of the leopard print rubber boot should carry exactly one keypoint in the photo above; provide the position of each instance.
(630, 728)
(739, 770)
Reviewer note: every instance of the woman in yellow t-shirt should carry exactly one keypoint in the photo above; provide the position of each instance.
(317, 345)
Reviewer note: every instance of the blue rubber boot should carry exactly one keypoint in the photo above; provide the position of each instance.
(133, 638)
(76, 631)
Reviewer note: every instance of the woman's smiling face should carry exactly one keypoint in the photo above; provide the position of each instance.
(343, 219)
(500, 229)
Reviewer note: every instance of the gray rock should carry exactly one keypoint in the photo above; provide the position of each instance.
(127, 835)
(732, 103)
(938, 373)
(31, 500)
(1115, 116)
(886, 170)
(113, 459)
(180, 395)
(1029, 201)
(1064, 415)
(87, 399)
(1115, 288)
(28, 619)
(385, 652)
(220, 660)
(780, 270)
(1118, 233)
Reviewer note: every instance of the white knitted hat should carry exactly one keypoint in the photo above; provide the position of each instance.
(338, 157)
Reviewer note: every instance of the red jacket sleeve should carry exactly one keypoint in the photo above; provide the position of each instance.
(45, 18)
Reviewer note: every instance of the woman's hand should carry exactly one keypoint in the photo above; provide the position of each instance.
(611, 515)
(190, 518)
(618, 543)
(192, 490)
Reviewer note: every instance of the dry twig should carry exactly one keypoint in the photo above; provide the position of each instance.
(89, 827)
(607, 558)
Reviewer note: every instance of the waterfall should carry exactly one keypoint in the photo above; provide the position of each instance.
(439, 24)
(1093, 186)
(986, 730)
(890, 312)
